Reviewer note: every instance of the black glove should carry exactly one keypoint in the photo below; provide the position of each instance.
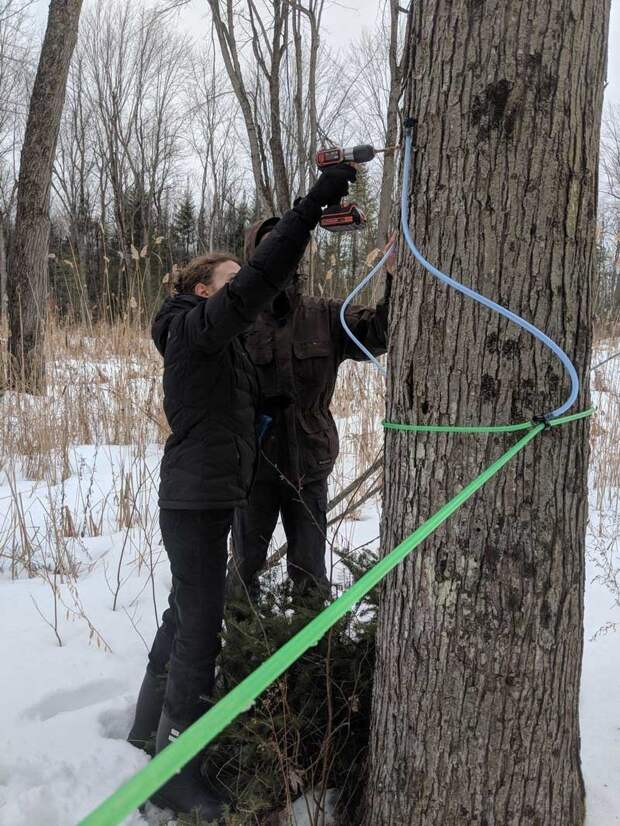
(333, 184)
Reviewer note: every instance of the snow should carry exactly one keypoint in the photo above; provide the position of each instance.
(66, 710)
(600, 709)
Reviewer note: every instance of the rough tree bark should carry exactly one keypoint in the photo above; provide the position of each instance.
(28, 262)
(396, 65)
(475, 716)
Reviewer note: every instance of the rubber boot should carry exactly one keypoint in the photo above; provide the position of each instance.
(148, 712)
(185, 793)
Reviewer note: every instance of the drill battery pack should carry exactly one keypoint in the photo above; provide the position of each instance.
(343, 218)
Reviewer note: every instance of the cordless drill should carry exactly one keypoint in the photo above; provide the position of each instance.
(344, 217)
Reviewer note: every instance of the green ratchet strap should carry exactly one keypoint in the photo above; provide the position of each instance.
(502, 428)
(162, 767)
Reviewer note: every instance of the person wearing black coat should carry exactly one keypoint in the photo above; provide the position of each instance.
(211, 399)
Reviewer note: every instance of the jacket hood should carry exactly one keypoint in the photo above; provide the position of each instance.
(168, 311)
(255, 233)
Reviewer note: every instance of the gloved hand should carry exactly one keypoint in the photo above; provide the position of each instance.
(333, 184)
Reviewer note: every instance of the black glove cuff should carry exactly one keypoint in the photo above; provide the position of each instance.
(309, 210)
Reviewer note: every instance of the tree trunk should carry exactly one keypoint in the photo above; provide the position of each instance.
(386, 193)
(228, 47)
(298, 101)
(278, 48)
(28, 264)
(314, 16)
(475, 715)
(3, 274)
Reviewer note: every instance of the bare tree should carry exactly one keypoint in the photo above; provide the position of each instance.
(136, 76)
(75, 183)
(212, 120)
(610, 151)
(607, 278)
(28, 274)
(608, 283)
(377, 72)
(282, 122)
(475, 702)
(396, 64)
(225, 28)
(312, 11)
(16, 77)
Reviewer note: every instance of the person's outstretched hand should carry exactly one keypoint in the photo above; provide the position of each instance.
(390, 264)
(333, 184)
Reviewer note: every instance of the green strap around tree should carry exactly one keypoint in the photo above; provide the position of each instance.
(159, 770)
(502, 428)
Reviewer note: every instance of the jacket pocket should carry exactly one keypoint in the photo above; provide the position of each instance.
(313, 370)
(318, 442)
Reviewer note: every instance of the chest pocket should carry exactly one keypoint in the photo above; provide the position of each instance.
(312, 370)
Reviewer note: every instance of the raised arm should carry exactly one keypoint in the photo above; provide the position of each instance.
(234, 308)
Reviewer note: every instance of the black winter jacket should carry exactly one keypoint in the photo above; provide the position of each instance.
(210, 385)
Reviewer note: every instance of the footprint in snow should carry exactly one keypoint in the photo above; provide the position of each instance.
(73, 699)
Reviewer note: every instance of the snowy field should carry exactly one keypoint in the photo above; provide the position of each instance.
(74, 644)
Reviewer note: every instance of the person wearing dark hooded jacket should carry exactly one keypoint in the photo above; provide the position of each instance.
(297, 344)
(210, 401)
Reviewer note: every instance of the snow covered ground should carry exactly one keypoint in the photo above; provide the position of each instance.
(65, 709)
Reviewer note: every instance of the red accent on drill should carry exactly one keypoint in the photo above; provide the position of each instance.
(344, 217)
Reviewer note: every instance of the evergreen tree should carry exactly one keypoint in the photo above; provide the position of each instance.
(184, 226)
(309, 731)
(237, 218)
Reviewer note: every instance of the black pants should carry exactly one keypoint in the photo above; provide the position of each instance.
(305, 524)
(189, 636)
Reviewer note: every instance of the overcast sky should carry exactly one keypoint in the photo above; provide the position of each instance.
(345, 19)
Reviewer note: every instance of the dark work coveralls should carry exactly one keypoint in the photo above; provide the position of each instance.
(297, 346)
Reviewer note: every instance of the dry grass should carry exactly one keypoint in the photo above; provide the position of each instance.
(104, 387)
(104, 391)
